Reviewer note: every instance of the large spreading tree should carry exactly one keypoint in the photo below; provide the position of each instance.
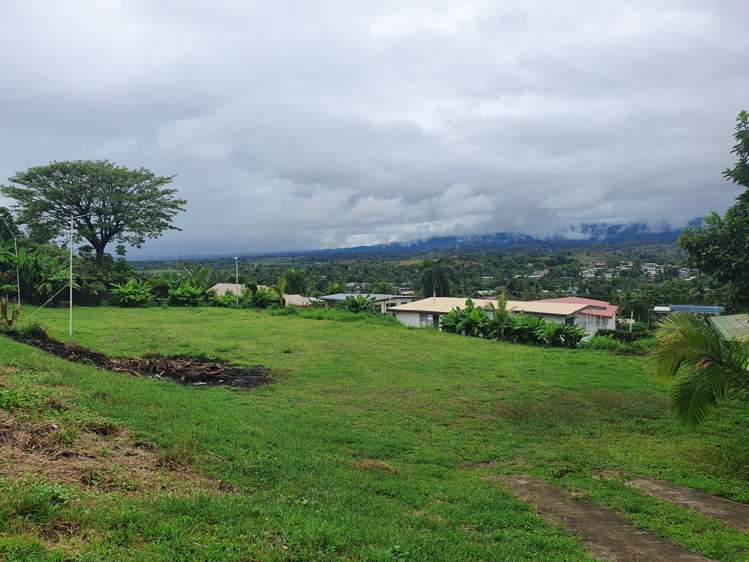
(109, 203)
(720, 248)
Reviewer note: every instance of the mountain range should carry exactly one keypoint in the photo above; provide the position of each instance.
(582, 235)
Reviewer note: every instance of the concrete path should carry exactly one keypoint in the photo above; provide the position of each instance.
(730, 512)
(605, 534)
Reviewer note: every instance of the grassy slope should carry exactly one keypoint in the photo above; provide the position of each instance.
(445, 411)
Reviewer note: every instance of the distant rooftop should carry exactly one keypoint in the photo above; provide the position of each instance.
(377, 297)
(697, 309)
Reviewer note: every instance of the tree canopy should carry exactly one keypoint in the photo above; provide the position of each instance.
(720, 248)
(112, 203)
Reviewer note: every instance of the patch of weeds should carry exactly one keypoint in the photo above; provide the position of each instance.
(35, 501)
(179, 453)
(11, 399)
(102, 396)
(30, 331)
(93, 423)
(66, 436)
(287, 350)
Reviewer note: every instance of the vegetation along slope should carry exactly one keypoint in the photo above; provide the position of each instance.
(373, 442)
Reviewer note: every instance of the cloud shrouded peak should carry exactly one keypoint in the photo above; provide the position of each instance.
(303, 125)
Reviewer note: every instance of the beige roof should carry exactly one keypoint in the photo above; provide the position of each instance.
(297, 300)
(550, 308)
(442, 305)
(222, 288)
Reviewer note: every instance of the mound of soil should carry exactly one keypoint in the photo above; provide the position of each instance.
(181, 368)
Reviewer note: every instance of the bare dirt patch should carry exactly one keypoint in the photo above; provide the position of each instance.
(106, 462)
(180, 368)
(605, 534)
(733, 513)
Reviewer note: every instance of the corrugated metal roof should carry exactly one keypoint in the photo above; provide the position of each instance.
(697, 308)
(733, 326)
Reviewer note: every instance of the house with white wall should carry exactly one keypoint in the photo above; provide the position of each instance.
(427, 312)
(598, 315)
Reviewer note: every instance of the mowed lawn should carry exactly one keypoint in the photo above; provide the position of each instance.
(375, 442)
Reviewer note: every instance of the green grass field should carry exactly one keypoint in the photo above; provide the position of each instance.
(375, 442)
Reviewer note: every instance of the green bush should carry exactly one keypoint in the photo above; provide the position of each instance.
(186, 294)
(625, 335)
(263, 298)
(133, 293)
(608, 343)
(560, 335)
(525, 328)
(30, 331)
(227, 300)
(605, 342)
(358, 304)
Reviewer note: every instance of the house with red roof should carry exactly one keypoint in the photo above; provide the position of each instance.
(598, 314)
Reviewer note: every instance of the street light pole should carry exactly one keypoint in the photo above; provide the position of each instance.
(236, 277)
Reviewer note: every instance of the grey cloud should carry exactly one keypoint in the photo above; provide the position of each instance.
(301, 124)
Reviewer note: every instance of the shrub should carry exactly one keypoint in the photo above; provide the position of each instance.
(263, 298)
(468, 321)
(625, 335)
(186, 294)
(560, 335)
(133, 293)
(358, 304)
(524, 328)
(30, 331)
(608, 343)
(228, 299)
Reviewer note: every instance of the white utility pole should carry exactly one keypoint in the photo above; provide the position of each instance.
(18, 275)
(70, 284)
(70, 279)
(236, 277)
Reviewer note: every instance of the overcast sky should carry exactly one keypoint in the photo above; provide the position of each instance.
(320, 124)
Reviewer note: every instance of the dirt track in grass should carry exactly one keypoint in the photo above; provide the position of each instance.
(605, 534)
(733, 513)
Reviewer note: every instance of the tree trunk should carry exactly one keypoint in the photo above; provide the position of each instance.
(99, 255)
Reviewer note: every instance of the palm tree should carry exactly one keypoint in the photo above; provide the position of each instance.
(280, 289)
(296, 282)
(435, 277)
(705, 367)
